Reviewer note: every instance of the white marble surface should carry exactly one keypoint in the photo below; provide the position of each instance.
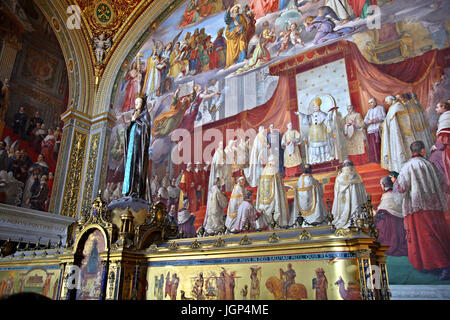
(30, 225)
(420, 292)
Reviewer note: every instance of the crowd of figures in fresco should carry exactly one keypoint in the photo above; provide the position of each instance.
(28, 155)
(247, 37)
(219, 39)
(244, 187)
(223, 285)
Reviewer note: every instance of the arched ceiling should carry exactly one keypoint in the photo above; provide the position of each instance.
(122, 21)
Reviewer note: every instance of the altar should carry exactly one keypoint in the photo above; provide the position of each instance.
(121, 263)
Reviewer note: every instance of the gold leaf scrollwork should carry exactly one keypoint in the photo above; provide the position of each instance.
(174, 246)
(305, 235)
(245, 241)
(342, 232)
(195, 244)
(274, 238)
(219, 243)
(72, 188)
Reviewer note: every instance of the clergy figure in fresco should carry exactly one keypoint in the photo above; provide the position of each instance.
(419, 121)
(217, 168)
(319, 142)
(137, 140)
(187, 186)
(236, 198)
(373, 120)
(290, 143)
(419, 188)
(258, 157)
(397, 136)
(353, 127)
(217, 202)
(308, 201)
(271, 198)
(349, 195)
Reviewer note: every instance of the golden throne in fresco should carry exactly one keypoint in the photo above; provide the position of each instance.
(389, 44)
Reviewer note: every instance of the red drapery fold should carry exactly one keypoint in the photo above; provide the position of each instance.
(275, 111)
(413, 69)
(416, 74)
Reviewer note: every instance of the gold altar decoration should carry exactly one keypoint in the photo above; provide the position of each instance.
(75, 172)
(139, 262)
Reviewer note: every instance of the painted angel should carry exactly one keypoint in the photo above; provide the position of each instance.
(101, 45)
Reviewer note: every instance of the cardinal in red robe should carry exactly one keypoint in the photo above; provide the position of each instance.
(419, 187)
(187, 186)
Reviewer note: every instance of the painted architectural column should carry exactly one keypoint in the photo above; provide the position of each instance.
(8, 57)
(94, 178)
(81, 166)
(70, 166)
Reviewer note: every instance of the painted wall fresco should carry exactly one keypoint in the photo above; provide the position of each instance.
(38, 279)
(192, 55)
(321, 276)
(91, 267)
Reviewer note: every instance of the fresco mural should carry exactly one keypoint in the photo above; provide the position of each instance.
(270, 281)
(91, 267)
(38, 279)
(32, 98)
(317, 73)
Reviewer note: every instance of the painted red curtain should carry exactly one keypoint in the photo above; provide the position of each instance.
(416, 74)
(275, 110)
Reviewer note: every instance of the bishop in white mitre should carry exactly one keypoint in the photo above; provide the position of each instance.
(397, 136)
(271, 198)
(258, 157)
(215, 206)
(349, 196)
(217, 167)
(319, 144)
(236, 198)
(308, 201)
(290, 143)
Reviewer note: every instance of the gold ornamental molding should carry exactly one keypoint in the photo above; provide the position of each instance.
(145, 19)
(74, 174)
(72, 113)
(90, 173)
(107, 21)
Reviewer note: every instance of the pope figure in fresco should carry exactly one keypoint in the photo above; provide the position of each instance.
(319, 143)
(137, 140)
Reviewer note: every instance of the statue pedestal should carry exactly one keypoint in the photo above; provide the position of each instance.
(138, 207)
(136, 204)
